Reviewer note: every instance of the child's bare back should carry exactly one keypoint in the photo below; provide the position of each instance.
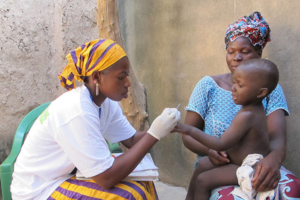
(255, 140)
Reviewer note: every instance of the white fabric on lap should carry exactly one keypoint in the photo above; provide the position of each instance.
(245, 175)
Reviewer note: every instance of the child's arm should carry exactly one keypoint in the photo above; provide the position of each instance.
(240, 125)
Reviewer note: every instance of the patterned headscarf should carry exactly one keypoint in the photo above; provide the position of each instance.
(254, 27)
(95, 55)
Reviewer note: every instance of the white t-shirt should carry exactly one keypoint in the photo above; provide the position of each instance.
(66, 135)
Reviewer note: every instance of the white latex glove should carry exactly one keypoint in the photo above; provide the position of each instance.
(164, 123)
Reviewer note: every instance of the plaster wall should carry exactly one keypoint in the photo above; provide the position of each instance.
(172, 44)
(35, 36)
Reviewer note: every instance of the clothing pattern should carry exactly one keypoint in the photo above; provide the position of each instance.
(254, 27)
(287, 189)
(245, 175)
(89, 190)
(97, 55)
(217, 109)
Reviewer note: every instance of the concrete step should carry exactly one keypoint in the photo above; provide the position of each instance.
(169, 192)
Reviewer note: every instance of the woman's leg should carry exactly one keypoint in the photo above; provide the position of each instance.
(203, 165)
(88, 189)
(216, 177)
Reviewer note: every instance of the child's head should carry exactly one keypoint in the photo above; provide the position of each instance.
(253, 80)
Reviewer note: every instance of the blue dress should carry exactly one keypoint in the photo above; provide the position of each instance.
(216, 107)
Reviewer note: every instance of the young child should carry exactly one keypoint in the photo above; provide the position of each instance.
(247, 135)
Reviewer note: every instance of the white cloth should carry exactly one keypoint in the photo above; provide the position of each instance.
(245, 174)
(66, 135)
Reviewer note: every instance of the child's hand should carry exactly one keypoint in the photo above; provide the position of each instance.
(182, 128)
(218, 158)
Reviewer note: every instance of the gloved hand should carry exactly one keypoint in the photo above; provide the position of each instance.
(164, 123)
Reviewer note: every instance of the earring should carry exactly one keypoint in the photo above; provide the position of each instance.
(97, 89)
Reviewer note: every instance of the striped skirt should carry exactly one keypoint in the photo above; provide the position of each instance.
(88, 189)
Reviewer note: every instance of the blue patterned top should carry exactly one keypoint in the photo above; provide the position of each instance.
(216, 107)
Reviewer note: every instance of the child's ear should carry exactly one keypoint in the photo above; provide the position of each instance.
(262, 92)
(259, 52)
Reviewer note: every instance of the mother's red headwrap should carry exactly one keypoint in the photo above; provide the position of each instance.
(254, 27)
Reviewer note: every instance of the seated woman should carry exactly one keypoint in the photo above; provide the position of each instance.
(72, 133)
(212, 109)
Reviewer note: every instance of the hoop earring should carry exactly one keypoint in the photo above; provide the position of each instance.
(97, 89)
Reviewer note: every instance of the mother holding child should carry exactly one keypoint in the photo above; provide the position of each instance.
(236, 107)
(76, 125)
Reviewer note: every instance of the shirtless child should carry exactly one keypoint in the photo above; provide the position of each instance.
(248, 133)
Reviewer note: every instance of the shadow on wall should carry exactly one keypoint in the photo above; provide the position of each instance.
(284, 52)
(182, 42)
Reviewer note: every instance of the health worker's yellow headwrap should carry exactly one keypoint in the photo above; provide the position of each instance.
(95, 55)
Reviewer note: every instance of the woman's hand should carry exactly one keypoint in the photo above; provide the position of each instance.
(267, 175)
(218, 158)
(164, 123)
